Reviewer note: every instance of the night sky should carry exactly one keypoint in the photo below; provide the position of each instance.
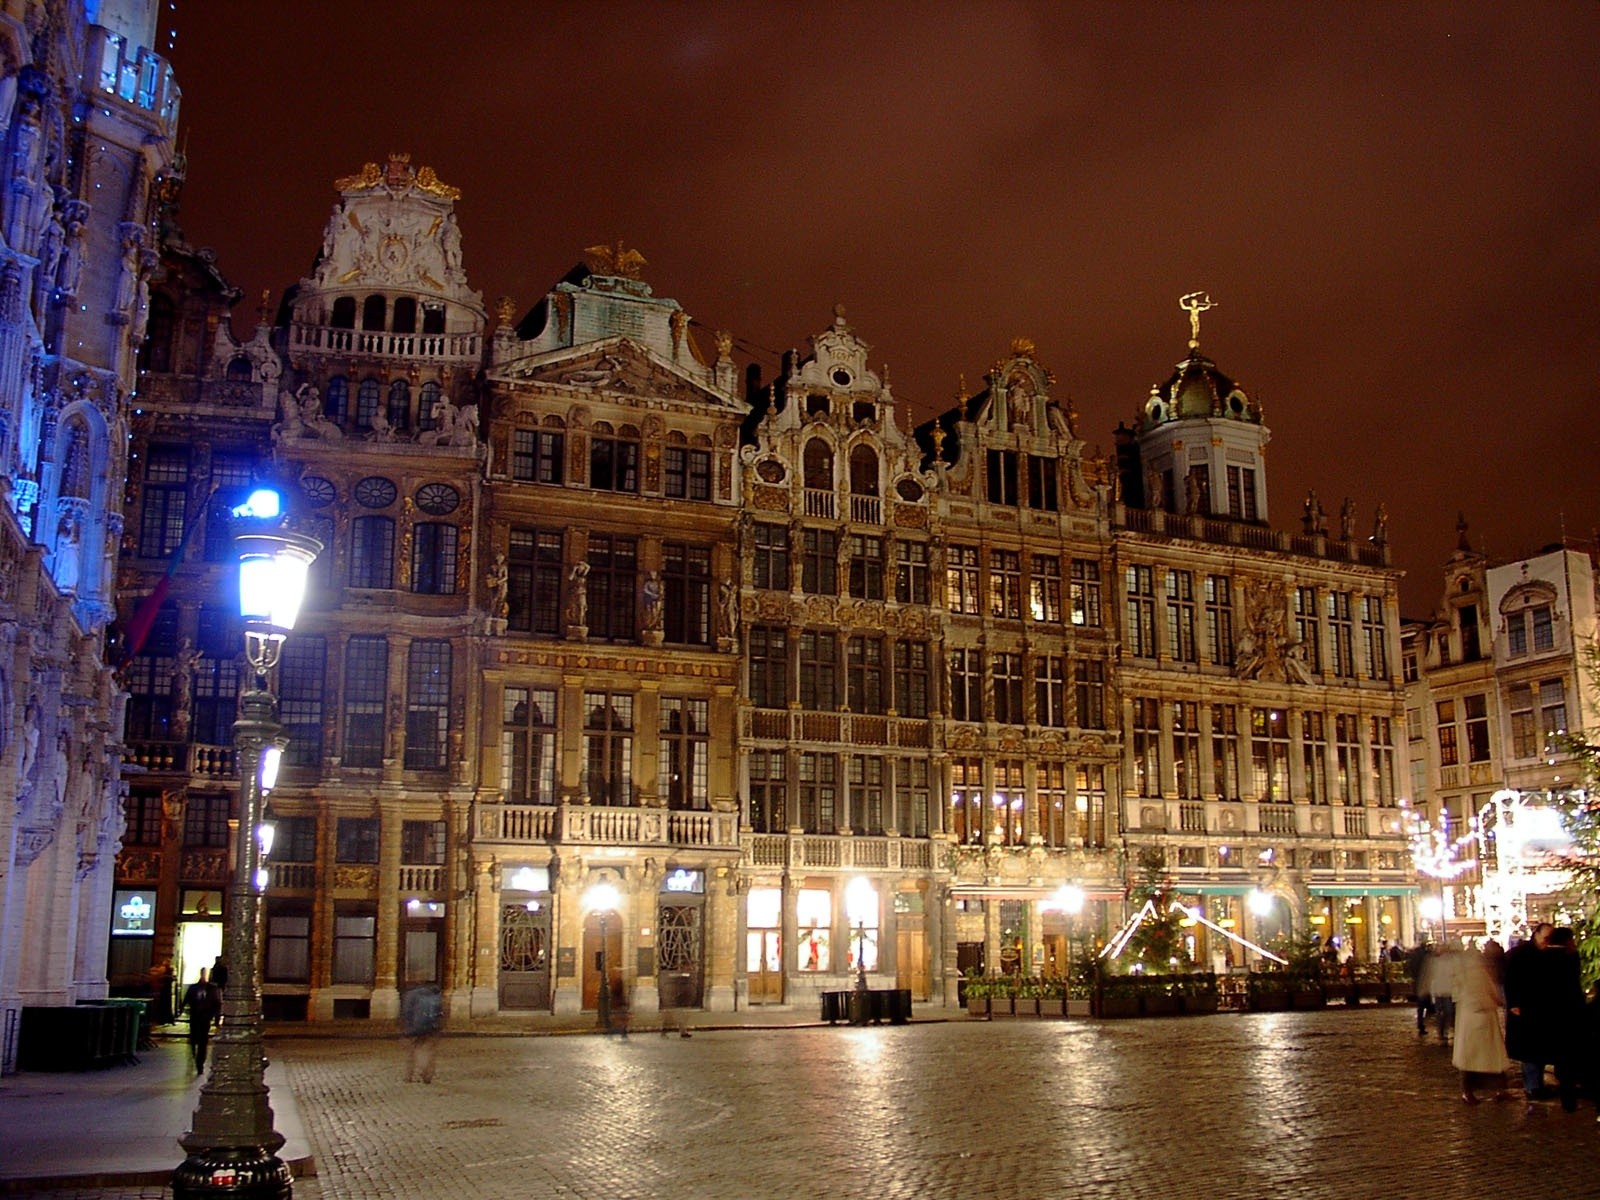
(1396, 207)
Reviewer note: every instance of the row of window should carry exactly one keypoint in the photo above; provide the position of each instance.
(375, 314)
(1195, 750)
(992, 803)
(830, 793)
(1538, 716)
(539, 456)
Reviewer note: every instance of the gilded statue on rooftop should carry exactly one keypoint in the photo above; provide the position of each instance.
(614, 260)
(1194, 304)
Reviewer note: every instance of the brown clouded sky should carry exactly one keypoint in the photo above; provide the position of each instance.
(1396, 206)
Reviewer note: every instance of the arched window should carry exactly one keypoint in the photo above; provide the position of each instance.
(156, 353)
(336, 400)
(373, 311)
(428, 402)
(405, 314)
(240, 370)
(863, 471)
(366, 402)
(818, 465)
(399, 407)
(433, 318)
(76, 469)
(344, 313)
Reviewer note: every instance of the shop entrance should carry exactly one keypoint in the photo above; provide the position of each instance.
(764, 958)
(525, 956)
(911, 957)
(678, 961)
(199, 943)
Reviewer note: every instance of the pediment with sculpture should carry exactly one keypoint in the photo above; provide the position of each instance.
(617, 367)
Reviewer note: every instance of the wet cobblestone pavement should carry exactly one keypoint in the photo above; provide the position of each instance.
(1336, 1105)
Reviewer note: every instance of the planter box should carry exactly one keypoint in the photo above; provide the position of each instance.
(1159, 1005)
(1305, 998)
(1079, 1008)
(978, 1006)
(1118, 1004)
(1201, 1005)
(1269, 1001)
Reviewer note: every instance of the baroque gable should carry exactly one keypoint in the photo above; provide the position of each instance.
(616, 370)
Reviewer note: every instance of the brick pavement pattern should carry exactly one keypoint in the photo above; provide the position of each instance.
(1303, 1106)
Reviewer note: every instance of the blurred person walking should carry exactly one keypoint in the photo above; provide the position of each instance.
(1528, 1004)
(1479, 1052)
(421, 1014)
(202, 1000)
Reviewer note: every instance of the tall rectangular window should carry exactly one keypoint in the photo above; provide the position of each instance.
(1347, 757)
(864, 670)
(1383, 760)
(686, 578)
(1525, 741)
(366, 682)
(966, 685)
(686, 752)
(961, 580)
(1085, 592)
(1089, 802)
(866, 567)
(528, 745)
(1042, 483)
(422, 843)
(205, 819)
(1007, 688)
(1375, 633)
(355, 942)
(1050, 690)
(1242, 493)
(1341, 635)
(538, 455)
(533, 581)
(911, 795)
(1186, 761)
(911, 572)
(288, 950)
(1307, 628)
(1449, 751)
(231, 476)
(1314, 752)
(1001, 477)
(164, 500)
(372, 552)
(1544, 633)
(1180, 617)
(819, 670)
(767, 648)
(1006, 804)
(356, 840)
(768, 808)
(771, 567)
(608, 748)
(1219, 620)
(427, 705)
(1477, 726)
(612, 586)
(1269, 752)
(866, 793)
(1050, 804)
(912, 678)
(1089, 686)
(433, 559)
(1146, 746)
(1005, 584)
(1225, 752)
(1141, 630)
(819, 793)
(1044, 589)
(1552, 709)
(686, 474)
(302, 676)
(819, 568)
(1471, 643)
(967, 800)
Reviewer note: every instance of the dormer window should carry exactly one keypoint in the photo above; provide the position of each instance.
(864, 412)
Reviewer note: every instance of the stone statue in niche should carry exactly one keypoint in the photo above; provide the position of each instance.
(578, 595)
(69, 537)
(728, 609)
(495, 583)
(1347, 520)
(653, 613)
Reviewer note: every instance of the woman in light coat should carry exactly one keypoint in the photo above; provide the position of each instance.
(1480, 1049)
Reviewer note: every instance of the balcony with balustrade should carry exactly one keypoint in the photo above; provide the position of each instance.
(842, 852)
(513, 825)
(381, 344)
(1196, 527)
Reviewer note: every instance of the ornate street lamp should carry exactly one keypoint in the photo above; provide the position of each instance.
(860, 901)
(231, 1141)
(602, 899)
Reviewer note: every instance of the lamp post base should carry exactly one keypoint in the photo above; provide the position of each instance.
(251, 1172)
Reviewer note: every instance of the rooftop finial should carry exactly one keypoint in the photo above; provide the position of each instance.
(1194, 304)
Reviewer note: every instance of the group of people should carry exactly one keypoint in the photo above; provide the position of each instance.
(1525, 1005)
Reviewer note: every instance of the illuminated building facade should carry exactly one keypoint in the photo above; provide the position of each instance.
(88, 111)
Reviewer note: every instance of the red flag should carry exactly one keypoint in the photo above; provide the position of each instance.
(144, 616)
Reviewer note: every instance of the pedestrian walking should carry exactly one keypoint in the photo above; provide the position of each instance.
(1480, 1049)
(421, 1014)
(219, 973)
(203, 1002)
(1417, 969)
(1527, 1010)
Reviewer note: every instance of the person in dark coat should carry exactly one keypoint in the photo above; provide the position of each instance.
(1527, 1005)
(1564, 976)
(203, 1002)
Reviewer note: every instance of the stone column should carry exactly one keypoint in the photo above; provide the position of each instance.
(385, 984)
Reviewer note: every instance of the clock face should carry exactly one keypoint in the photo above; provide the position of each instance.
(375, 492)
(319, 491)
(437, 498)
